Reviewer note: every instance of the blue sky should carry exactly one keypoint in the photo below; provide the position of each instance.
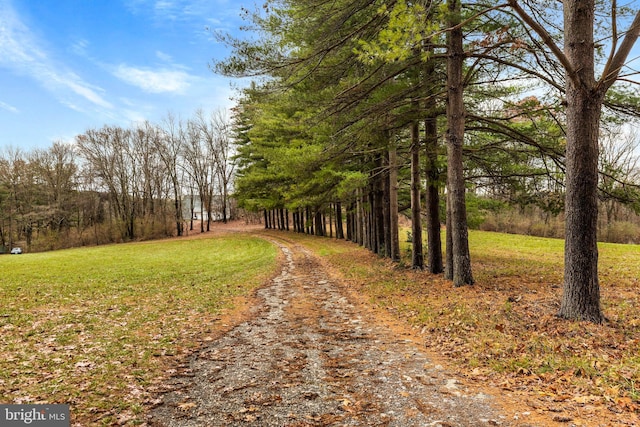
(70, 65)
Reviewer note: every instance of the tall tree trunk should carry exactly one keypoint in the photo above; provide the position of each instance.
(359, 218)
(386, 208)
(581, 293)
(455, 139)
(324, 223)
(339, 225)
(178, 208)
(432, 202)
(417, 259)
(448, 269)
(355, 221)
(434, 241)
(318, 222)
(282, 224)
(201, 215)
(225, 201)
(192, 210)
(393, 203)
(331, 220)
(378, 212)
(367, 207)
(350, 228)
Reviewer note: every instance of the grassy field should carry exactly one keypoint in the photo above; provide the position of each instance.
(99, 328)
(503, 331)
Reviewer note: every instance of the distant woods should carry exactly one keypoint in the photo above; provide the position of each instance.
(119, 184)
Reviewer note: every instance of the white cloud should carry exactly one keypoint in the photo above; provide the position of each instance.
(164, 56)
(164, 5)
(182, 10)
(80, 47)
(154, 81)
(82, 89)
(21, 51)
(8, 107)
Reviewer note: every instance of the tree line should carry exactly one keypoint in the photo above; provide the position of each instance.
(373, 107)
(116, 184)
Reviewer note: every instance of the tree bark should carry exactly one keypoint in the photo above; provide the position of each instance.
(369, 229)
(434, 241)
(192, 210)
(378, 211)
(581, 293)
(324, 223)
(225, 198)
(394, 245)
(386, 208)
(330, 220)
(339, 225)
(350, 231)
(417, 259)
(282, 220)
(359, 218)
(455, 139)
(448, 269)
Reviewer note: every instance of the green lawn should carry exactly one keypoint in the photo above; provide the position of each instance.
(97, 328)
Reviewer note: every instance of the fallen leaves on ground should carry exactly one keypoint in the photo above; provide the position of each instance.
(503, 331)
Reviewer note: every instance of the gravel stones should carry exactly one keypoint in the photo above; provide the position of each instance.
(309, 357)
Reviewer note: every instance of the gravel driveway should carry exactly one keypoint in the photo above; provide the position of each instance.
(309, 356)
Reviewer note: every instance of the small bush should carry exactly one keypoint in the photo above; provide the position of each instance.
(490, 224)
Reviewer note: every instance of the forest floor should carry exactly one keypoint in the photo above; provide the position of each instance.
(341, 337)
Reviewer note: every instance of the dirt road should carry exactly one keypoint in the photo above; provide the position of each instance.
(310, 356)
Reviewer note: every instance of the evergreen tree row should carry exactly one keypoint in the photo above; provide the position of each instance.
(377, 108)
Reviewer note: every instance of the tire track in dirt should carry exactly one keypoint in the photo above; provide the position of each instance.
(308, 357)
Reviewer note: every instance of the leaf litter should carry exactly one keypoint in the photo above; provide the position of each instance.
(502, 333)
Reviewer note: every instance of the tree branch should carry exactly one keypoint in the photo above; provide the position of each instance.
(547, 39)
(614, 65)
